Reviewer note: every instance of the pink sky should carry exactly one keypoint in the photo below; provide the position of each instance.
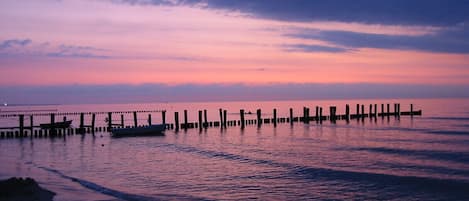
(101, 42)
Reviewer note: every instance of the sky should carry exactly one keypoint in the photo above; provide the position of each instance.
(100, 51)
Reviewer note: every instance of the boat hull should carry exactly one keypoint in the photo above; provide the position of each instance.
(64, 124)
(152, 130)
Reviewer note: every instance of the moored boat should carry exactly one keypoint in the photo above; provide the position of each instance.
(151, 130)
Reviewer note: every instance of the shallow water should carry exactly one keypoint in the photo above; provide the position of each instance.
(419, 158)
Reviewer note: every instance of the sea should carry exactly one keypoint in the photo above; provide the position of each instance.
(408, 158)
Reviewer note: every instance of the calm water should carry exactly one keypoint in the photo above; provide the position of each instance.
(420, 158)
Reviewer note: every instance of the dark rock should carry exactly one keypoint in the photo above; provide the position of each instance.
(17, 189)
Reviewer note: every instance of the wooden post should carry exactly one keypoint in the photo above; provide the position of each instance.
(149, 119)
(31, 123)
(363, 111)
(241, 113)
(387, 111)
(82, 122)
(304, 115)
(320, 115)
(109, 120)
(205, 119)
(185, 119)
(259, 118)
(370, 112)
(376, 110)
(291, 116)
(347, 112)
(411, 110)
(135, 119)
(398, 109)
(21, 124)
(93, 119)
(52, 122)
(224, 118)
(382, 110)
(122, 120)
(163, 116)
(220, 111)
(275, 117)
(176, 120)
(332, 111)
(200, 119)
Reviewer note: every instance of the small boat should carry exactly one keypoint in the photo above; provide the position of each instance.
(63, 124)
(152, 130)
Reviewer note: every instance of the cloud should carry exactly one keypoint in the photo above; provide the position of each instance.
(450, 40)
(395, 12)
(14, 43)
(78, 52)
(123, 93)
(314, 48)
(26, 47)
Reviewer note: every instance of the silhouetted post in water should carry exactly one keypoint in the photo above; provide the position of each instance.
(31, 123)
(205, 119)
(382, 111)
(21, 125)
(221, 117)
(317, 114)
(93, 119)
(122, 120)
(185, 119)
(109, 120)
(370, 112)
(163, 116)
(135, 119)
(305, 115)
(241, 113)
(358, 111)
(291, 116)
(395, 110)
(176, 120)
(398, 109)
(275, 117)
(149, 119)
(52, 123)
(332, 111)
(411, 110)
(200, 119)
(320, 115)
(387, 109)
(224, 118)
(363, 112)
(82, 122)
(259, 118)
(376, 110)
(347, 112)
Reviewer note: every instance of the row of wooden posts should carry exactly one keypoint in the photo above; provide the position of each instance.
(204, 123)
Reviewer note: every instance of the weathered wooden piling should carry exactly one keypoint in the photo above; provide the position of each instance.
(185, 119)
(317, 114)
(176, 120)
(376, 110)
(320, 115)
(347, 112)
(149, 119)
(224, 118)
(205, 119)
(21, 124)
(370, 112)
(291, 116)
(200, 119)
(363, 112)
(220, 112)
(122, 121)
(382, 110)
(411, 110)
(332, 115)
(259, 118)
(31, 123)
(241, 113)
(163, 117)
(93, 119)
(387, 110)
(275, 118)
(135, 119)
(52, 122)
(358, 111)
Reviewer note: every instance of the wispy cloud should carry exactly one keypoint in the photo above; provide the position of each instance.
(450, 40)
(14, 43)
(78, 52)
(314, 48)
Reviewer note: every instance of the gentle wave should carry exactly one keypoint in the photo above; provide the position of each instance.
(116, 193)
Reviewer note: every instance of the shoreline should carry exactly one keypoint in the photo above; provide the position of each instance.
(17, 188)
